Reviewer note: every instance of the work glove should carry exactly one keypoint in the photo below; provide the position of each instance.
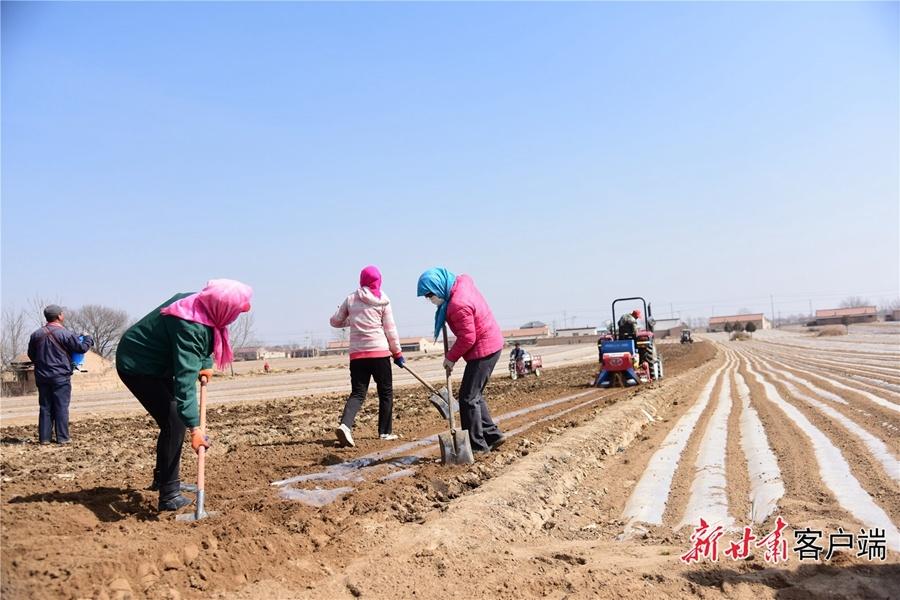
(198, 439)
(448, 365)
(399, 360)
(208, 373)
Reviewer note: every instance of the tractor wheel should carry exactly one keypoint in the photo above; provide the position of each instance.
(513, 375)
(537, 372)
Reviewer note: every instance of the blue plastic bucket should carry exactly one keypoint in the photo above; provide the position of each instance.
(78, 358)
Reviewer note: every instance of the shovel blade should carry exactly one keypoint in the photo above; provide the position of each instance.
(440, 402)
(199, 510)
(195, 517)
(456, 448)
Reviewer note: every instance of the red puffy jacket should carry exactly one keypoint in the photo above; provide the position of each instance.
(471, 320)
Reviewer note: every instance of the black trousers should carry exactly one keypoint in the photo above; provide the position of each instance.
(473, 410)
(53, 399)
(362, 370)
(157, 396)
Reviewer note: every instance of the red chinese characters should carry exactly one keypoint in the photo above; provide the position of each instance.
(741, 549)
(705, 543)
(775, 543)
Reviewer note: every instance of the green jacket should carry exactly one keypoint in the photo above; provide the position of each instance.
(163, 346)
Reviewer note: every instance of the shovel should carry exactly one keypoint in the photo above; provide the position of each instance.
(440, 399)
(199, 513)
(456, 449)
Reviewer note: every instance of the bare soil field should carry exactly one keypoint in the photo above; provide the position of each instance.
(595, 495)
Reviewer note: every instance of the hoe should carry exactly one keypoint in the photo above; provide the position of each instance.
(199, 512)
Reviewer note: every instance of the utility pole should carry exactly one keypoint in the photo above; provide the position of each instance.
(565, 320)
(810, 309)
(772, 300)
(671, 311)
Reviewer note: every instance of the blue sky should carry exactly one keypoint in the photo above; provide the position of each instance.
(702, 155)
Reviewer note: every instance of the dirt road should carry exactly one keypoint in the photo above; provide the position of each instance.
(595, 496)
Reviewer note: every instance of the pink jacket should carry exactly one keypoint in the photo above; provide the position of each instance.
(471, 320)
(373, 333)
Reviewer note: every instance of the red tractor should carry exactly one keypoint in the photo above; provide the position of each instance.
(628, 355)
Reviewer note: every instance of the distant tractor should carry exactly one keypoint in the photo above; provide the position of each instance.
(686, 336)
(628, 353)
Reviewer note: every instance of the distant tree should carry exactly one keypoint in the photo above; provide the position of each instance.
(745, 311)
(738, 327)
(13, 335)
(728, 327)
(750, 328)
(36, 306)
(240, 333)
(845, 321)
(854, 301)
(106, 325)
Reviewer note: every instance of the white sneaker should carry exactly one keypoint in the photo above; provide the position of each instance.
(344, 436)
(389, 436)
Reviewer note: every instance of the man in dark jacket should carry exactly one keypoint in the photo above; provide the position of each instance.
(50, 349)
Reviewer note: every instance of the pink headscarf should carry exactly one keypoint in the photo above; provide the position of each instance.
(370, 277)
(218, 305)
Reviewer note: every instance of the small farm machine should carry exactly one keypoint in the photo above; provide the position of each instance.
(525, 364)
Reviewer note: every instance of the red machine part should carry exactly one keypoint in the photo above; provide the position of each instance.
(618, 361)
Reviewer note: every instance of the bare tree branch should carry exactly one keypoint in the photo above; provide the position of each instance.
(36, 306)
(13, 335)
(106, 325)
(854, 301)
(240, 333)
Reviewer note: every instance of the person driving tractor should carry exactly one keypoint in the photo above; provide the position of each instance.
(628, 325)
(517, 352)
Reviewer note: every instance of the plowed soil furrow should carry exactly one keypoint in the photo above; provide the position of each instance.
(806, 497)
(649, 501)
(876, 447)
(819, 347)
(766, 484)
(863, 380)
(854, 378)
(708, 498)
(885, 359)
(611, 488)
(848, 392)
(834, 470)
(871, 474)
(881, 422)
(738, 488)
(848, 345)
(880, 376)
(683, 477)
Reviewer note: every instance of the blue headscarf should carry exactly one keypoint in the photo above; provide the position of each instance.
(439, 281)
